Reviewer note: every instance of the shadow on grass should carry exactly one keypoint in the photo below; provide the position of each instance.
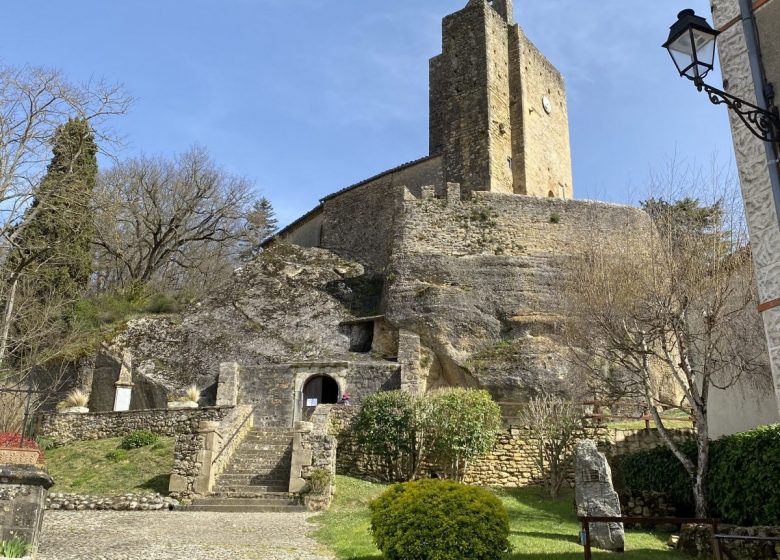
(157, 484)
(558, 537)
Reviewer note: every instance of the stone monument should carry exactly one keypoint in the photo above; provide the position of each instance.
(596, 497)
(23, 490)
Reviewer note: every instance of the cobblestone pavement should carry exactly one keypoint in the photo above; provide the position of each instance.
(114, 535)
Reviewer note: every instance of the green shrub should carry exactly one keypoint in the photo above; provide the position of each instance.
(462, 425)
(319, 481)
(400, 432)
(555, 218)
(439, 520)
(743, 485)
(744, 480)
(163, 303)
(388, 428)
(116, 455)
(45, 443)
(658, 470)
(138, 438)
(15, 548)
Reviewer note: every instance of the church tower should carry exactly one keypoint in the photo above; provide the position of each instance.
(498, 112)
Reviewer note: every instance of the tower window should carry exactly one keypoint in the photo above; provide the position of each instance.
(509, 162)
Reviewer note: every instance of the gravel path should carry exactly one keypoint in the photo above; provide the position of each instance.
(104, 535)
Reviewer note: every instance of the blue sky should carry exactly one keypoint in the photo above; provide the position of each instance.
(304, 97)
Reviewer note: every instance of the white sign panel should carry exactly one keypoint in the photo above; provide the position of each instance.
(311, 402)
(122, 399)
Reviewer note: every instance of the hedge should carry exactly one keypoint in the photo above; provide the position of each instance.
(439, 520)
(743, 483)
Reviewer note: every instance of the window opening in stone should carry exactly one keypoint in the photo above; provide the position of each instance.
(551, 194)
(595, 476)
(509, 162)
(320, 389)
(361, 336)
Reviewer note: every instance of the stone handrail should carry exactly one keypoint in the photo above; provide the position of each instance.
(236, 436)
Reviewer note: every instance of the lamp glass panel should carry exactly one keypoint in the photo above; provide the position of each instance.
(705, 47)
(681, 59)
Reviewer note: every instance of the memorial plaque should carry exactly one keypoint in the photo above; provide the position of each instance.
(122, 399)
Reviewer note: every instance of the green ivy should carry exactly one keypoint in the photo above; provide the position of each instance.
(743, 482)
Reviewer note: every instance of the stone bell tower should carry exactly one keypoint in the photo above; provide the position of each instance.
(498, 112)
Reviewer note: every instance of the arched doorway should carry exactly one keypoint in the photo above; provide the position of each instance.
(320, 389)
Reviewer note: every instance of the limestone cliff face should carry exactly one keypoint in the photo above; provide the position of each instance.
(286, 306)
(481, 282)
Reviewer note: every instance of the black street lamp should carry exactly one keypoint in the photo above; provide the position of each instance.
(691, 45)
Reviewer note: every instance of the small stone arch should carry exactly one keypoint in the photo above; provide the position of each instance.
(551, 194)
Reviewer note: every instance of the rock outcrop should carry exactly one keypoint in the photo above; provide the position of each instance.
(286, 306)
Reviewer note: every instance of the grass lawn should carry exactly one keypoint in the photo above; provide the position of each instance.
(540, 528)
(83, 468)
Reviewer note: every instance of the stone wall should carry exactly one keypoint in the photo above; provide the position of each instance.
(696, 540)
(509, 464)
(125, 502)
(646, 504)
(358, 223)
(761, 203)
(540, 138)
(315, 448)
(65, 428)
(203, 450)
(276, 389)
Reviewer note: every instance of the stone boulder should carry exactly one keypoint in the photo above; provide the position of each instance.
(596, 497)
(285, 306)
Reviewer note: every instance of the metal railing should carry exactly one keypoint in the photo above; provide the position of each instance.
(586, 521)
(720, 551)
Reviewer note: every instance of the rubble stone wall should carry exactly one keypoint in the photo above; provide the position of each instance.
(65, 428)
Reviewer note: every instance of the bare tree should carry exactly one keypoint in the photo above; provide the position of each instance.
(172, 221)
(34, 103)
(554, 426)
(669, 304)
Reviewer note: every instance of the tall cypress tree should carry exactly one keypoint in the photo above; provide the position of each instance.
(52, 249)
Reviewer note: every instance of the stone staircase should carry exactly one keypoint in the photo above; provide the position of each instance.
(257, 478)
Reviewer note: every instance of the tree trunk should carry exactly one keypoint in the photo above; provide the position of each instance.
(702, 469)
(9, 310)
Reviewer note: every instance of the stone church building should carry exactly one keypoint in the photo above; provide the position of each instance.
(446, 271)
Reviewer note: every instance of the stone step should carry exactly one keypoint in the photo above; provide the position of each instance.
(236, 508)
(260, 495)
(263, 454)
(267, 433)
(219, 500)
(260, 445)
(277, 483)
(239, 477)
(254, 466)
(246, 470)
(272, 476)
(265, 462)
(242, 490)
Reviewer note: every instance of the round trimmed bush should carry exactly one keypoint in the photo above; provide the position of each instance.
(138, 438)
(439, 520)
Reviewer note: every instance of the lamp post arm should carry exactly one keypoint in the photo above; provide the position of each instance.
(763, 123)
